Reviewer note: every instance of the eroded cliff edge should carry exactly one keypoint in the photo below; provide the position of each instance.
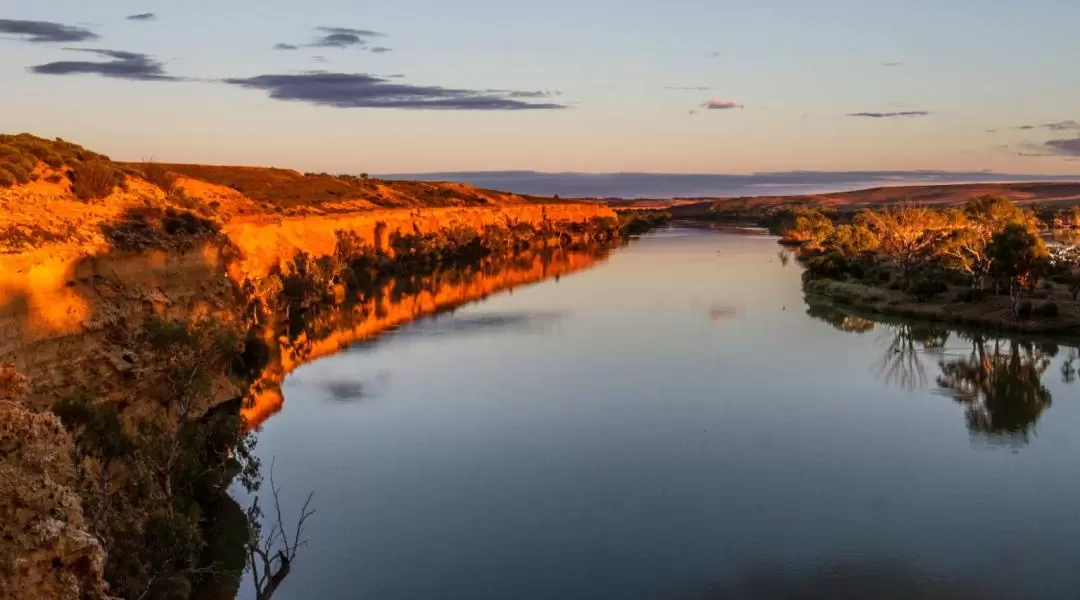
(148, 315)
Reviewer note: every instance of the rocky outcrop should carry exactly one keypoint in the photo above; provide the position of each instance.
(47, 550)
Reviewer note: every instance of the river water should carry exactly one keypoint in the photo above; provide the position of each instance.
(675, 423)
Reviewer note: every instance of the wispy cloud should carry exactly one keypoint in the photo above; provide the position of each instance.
(889, 115)
(339, 37)
(714, 55)
(147, 16)
(343, 37)
(1058, 126)
(45, 32)
(119, 65)
(892, 63)
(687, 88)
(720, 104)
(1066, 147)
(358, 90)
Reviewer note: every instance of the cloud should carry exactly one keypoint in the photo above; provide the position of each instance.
(343, 37)
(41, 32)
(379, 49)
(721, 104)
(1059, 126)
(147, 16)
(1066, 147)
(284, 46)
(893, 63)
(358, 90)
(1063, 126)
(120, 65)
(687, 88)
(713, 55)
(319, 59)
(887, 115)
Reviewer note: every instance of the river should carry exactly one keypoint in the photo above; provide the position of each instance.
(675, 423)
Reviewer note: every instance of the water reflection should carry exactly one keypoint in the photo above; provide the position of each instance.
(998, 380)
(327, 329)
(1000, 384)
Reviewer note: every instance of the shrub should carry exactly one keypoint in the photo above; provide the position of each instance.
(1023, 309)
(6, 179)
(93, 180)
(926, 288)
(970, 295)
(1049, 310)
(19, 173)
(54, 178)
(159, 176)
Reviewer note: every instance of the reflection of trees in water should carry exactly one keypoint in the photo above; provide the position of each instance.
(901, 362)
(998, 381)
(1000, 385)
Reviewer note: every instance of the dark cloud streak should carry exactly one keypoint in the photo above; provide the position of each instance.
(345, 37)
(888, 115)
(358, 90)
(284, 46)
(121, 65)
(46, 32)
(1066, 147)
(147, 16)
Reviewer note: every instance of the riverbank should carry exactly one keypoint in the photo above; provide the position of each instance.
(139, 319)
(992, 312)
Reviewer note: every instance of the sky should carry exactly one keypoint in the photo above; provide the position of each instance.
(587, 86)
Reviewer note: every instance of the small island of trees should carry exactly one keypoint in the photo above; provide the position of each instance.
(983, 263)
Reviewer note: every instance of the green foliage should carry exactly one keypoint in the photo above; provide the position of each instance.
(95, 424)
(808, 226)
(852, 240)
(1018, 257)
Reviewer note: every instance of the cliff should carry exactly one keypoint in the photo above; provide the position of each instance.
(102, 297)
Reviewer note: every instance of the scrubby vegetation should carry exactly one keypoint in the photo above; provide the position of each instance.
(93, 176)
(155, 227)
(637, 222)
(285, 190)
(988, 248)
(150, 479)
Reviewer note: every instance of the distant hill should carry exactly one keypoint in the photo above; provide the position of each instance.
(1062, 193)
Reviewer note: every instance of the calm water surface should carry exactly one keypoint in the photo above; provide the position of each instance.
(674, 424)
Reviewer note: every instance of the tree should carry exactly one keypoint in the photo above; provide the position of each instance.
(271, 554)
(908, 233)
(852, 240)
(1018, 257)
(807, 226)
(991, 214)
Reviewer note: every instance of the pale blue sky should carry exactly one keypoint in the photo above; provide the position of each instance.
(797, 69)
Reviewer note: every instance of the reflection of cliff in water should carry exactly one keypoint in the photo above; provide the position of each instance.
(361, 314)
(1000, 381)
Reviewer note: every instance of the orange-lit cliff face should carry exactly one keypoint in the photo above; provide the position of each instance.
(333, 330)
(69, 309)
